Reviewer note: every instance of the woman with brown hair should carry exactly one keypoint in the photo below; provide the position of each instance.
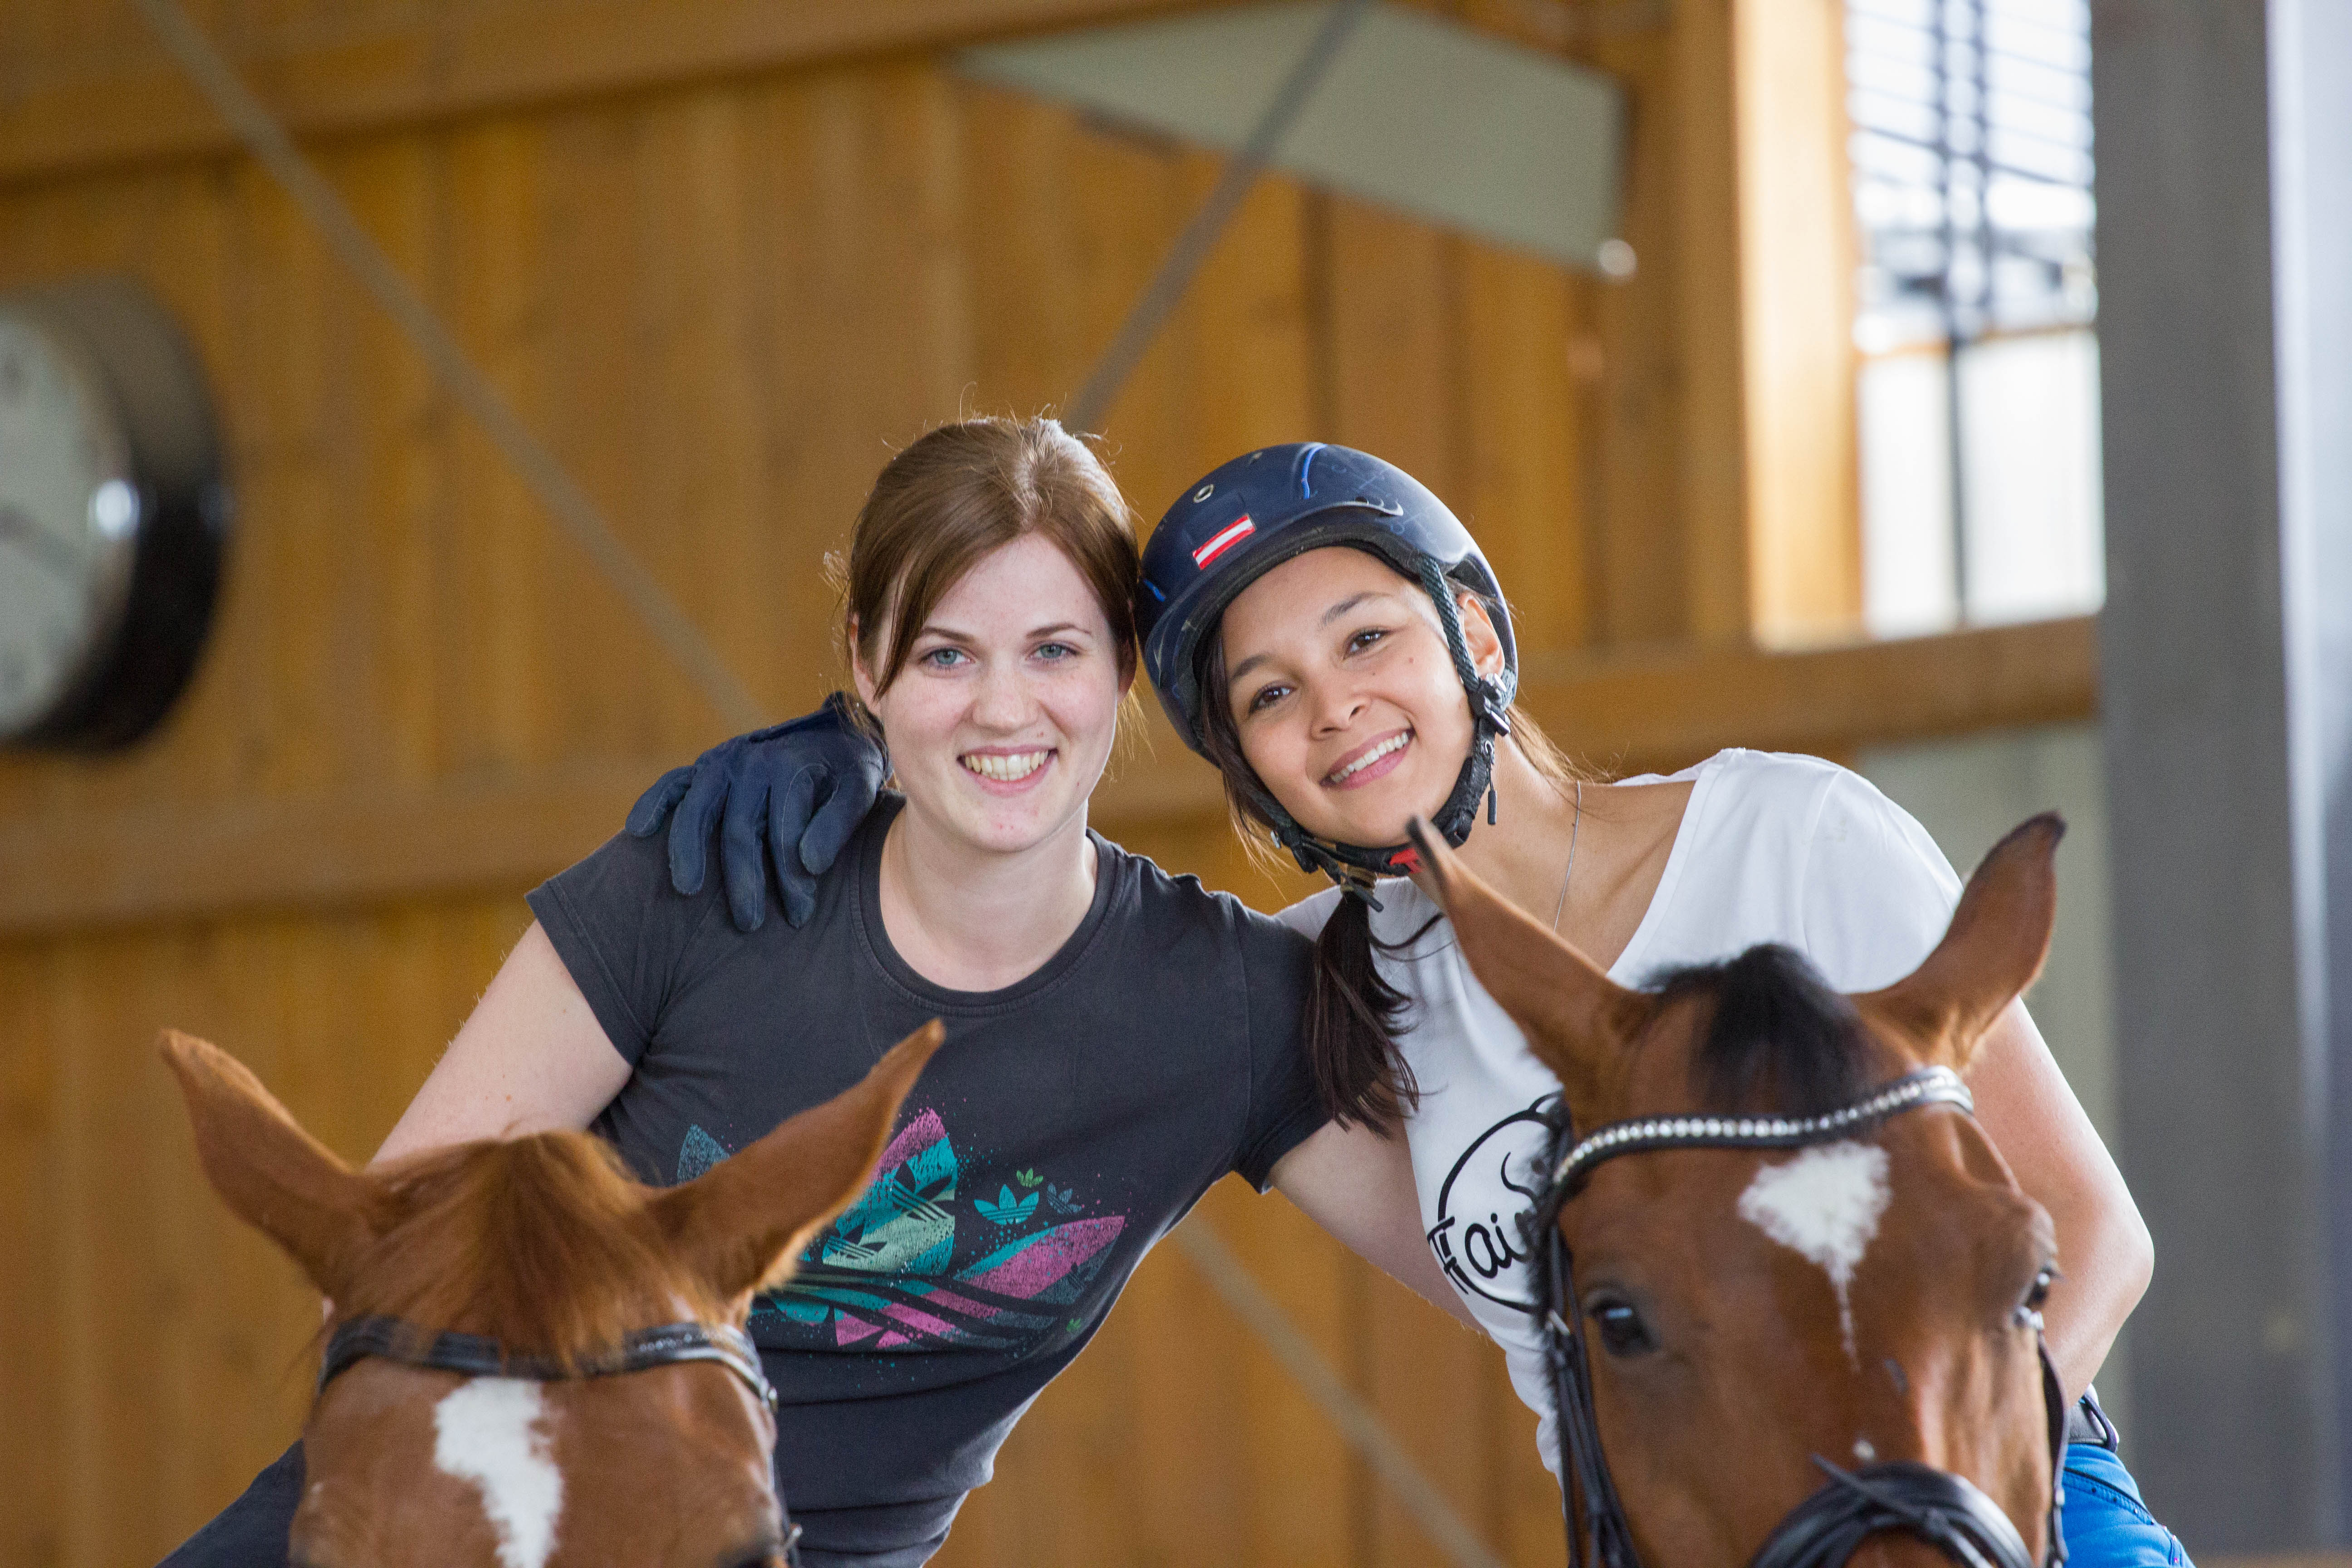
(1117, 1039)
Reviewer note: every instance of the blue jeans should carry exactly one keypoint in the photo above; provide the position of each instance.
(2107, 1526)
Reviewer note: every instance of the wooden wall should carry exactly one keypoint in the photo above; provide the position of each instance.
(720, 290)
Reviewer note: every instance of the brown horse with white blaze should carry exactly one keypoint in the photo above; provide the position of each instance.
(1755, 1315)
(640, 1433)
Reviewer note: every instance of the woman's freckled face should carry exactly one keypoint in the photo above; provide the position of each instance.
(1002, 718)
(1345, 695)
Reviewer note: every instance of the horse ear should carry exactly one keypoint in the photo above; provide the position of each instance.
(1576, 1020)
(741, 1224)
(1992, 951)
(277, 1177)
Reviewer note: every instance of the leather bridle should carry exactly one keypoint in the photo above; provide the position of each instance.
(1946, 1510)
(478, 1355)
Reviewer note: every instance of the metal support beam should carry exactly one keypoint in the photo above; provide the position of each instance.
(2225, 238)
(1207, 225)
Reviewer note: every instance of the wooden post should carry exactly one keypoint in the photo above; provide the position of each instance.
(1797, 287)
(1770, 484)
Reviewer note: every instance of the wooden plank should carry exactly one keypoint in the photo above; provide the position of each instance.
(1526, 1499)
(392, 481)
(1524, 489)
(1709, 329)
(1128, 199)
(1629, 361)
(68, 869)
(801, 344)
(1797, 268)
(1395, 333)
(1675, 707)
(1030, 272)
(163, 862)
(81, 113)
(291, 569)
(1194, 1414)
(34, 1464)
(504, 565)
(704, 509)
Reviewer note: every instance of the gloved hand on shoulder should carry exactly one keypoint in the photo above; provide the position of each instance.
(794, 791)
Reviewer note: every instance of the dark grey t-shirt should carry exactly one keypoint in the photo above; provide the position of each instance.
(1069, 1121)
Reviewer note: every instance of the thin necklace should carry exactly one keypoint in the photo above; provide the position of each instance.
(1574, 831)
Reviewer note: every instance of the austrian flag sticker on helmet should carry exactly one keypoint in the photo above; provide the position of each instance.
(1225, 540)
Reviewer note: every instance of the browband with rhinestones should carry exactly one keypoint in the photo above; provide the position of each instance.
(1928, 1086)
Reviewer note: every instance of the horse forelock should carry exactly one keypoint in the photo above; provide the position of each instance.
(543, 1241)
(1776, 1040)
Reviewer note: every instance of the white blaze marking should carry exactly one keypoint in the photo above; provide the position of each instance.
(489, 1431)
(1823, 1205)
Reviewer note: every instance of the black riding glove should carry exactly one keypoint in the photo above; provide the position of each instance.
(799, 788)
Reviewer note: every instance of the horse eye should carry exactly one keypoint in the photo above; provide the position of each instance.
(1622, 1333)
(2037, 1296)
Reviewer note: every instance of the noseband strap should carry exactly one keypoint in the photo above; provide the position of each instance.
(1945, 1509)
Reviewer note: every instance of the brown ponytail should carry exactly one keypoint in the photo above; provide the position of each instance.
(1351, 1025)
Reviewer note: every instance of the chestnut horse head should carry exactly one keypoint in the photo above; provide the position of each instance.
(546, 1256)
(1752, 1318)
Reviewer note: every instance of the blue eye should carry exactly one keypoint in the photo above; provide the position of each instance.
(941, 657)
(1057, 651)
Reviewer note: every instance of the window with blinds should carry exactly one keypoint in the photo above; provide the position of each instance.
(1971, 165)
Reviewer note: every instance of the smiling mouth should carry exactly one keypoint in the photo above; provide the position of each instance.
(1356, 764)
(1004, 767)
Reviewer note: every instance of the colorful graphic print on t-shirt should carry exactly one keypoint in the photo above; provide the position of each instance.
(914, 1265)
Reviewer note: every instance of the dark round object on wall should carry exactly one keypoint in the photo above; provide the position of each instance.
(114, 514)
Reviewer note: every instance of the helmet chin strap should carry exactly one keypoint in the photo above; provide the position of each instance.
(1357, 867)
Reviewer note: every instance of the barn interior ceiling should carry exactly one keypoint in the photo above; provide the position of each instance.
(1416, 112)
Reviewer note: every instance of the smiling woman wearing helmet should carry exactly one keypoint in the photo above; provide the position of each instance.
(1322, 627)
(1324, 630)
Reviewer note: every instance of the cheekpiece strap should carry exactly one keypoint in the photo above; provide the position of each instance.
(478, 1355)
(1928, 1086)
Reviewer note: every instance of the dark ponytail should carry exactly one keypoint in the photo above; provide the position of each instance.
(1353, 1014)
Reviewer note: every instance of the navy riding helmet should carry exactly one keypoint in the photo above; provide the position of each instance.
(1259, 510)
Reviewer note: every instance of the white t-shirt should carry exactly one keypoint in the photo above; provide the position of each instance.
(1771, 848)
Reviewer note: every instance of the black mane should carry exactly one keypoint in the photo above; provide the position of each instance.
(1781, 1042)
